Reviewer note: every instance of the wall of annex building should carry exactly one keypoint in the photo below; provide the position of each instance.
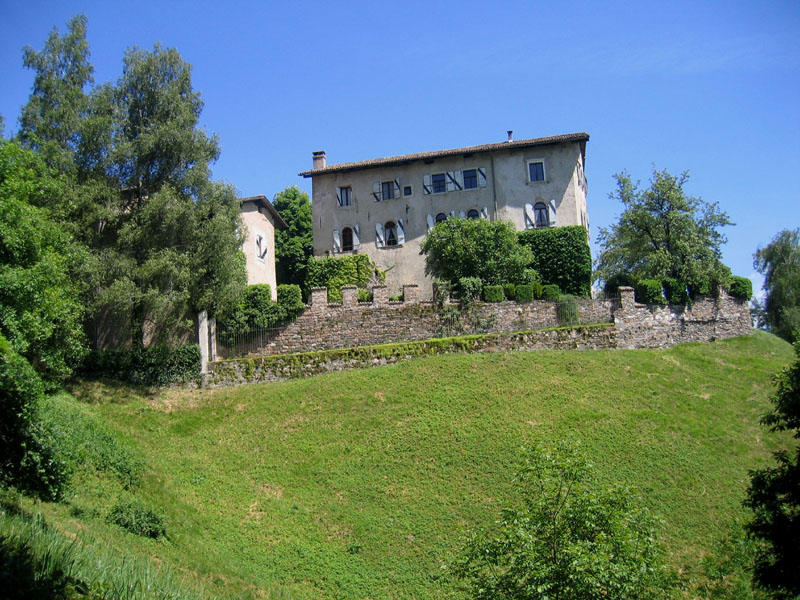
(260, 259)
(504, 195)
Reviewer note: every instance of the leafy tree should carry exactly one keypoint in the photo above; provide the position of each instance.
(779, 262)
(565, 539)
(294, 245)
(663, 233)
(774, 495)
(458, 248)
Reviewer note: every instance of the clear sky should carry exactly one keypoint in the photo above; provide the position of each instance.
(709, 87)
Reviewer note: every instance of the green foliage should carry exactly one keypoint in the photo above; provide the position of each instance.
(493, 293)
(290, 299)
(365, 295)
(396, 298)
(774, 494)
(612, 284)
(675, 291)
(561, 256)
(135, 517)
(469, 290)
(510, 291)
(566, 537)
(458, 248)
(333, 273)
(256, 310)
(40, 304)
(649, 291)
(779, 263)
(567, 310)
(156, 365)
(663, 233)
(740, 287)
(293, 245)
(550, 292)
(525, 292)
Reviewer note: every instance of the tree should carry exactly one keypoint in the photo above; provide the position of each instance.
(774, 495)
(294, 245)
(779, 262)
(458, 248)
(565, 539)
(663, 233)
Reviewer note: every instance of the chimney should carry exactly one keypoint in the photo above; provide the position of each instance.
(510, 135)
(319, 159)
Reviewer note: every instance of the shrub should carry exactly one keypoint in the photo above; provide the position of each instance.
(675, 291)
(567, 310)
(525, 293)
(290, 299)
(157, 365)
(493, 293)
(396, 298)
(551, 292)
(333, 273)
(469, 289)
(442, 290)
(649, 291)
(138, 519)
(510, 291)
(561, 256)
(740, 287)
(365, 295)
(612, 284)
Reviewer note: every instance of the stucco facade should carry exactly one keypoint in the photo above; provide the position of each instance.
(389, 204)
(260, 219)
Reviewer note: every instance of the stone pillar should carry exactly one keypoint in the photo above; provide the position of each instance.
(410, 292)
(202, 340)
(319, 299)
(626, 298)
(349, 296)
(380, 295)
(212, 339)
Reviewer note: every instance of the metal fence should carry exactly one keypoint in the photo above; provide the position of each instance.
(234, 343)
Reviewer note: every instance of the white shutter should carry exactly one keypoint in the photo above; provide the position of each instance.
(462, 214)
(338, 196)
(401, 232)
(426, 184)
(452, 181)
(485, 212)
(379, 235)
(356, 241)
(459, 180)
(481, 177)
(452, 213)
(551, 208)
(376, 191)
(431, 222)
(396, 188)
(337, 241)
(530, 221)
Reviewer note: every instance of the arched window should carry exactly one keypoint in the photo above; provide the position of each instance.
(441, 217)
(473, 214)
(540, 214)
(390, 233)
(347, 239)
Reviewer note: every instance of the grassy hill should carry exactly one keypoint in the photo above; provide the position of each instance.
(362, 484)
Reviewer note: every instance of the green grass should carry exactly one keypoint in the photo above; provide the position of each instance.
(362, 484)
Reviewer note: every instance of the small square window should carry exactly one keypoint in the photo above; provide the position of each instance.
(345, 196)
(470, 179)
(536, 171)
(407, 190)
(438, 183)
(387, 190)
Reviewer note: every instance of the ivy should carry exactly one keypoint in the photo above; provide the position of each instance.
(333, 273)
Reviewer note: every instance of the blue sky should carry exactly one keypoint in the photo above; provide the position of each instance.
(709, 87)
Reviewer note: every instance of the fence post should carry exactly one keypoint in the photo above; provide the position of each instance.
(626, 298)
(202, 340)
(212, 339)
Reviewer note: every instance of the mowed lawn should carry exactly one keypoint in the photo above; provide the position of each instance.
(363, 484)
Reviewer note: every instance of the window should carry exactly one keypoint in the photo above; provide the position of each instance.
(390, 233)
(470, 179)
(344, 196)
(407, 190)
(347, 239)
(441, 217)
(439, 184)
(536, 170)
(387, 190)
(473, 214)
(540, 215)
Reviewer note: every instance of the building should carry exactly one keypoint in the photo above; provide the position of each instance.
(384, 207)
(260, 219)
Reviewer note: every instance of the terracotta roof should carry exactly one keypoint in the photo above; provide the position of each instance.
(262, 200)
(393, 160)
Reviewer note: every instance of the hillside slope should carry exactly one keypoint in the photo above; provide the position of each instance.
(362, 484)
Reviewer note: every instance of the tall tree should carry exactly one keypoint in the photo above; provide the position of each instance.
(662, 232)
(294, 245)
(779, 262)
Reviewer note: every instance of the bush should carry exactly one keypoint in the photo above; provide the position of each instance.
(649, 291)
(157, 365)
(365, 295)
(567, 310)
(333, 273)
(561, 256)
(469, 289)
(612, 285)
(525, 292)
(740, 287)
(442, 290)
(550, 292)
(675, 291)
(493, 293)
(290, 299)
(138, 519)
(510, 291)
(396, 298)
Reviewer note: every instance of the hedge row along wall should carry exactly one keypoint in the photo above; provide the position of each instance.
(562, 257)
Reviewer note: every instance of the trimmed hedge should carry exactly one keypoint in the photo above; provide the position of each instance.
(561, 256)
(333, 273)
(469, 289)
(612, 285)
(493, 293)
(649, 291)
(290, 299)
(157, 365)
(525, 292)
(550, 292)
(675, 291)
(510, 291)
(740, 287)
